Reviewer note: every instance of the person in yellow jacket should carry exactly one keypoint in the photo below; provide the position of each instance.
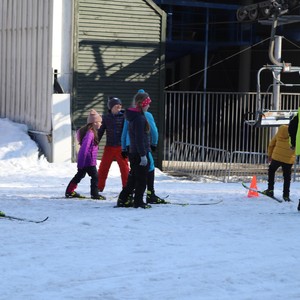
(281, 155)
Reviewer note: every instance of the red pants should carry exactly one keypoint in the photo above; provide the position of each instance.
(109, 155)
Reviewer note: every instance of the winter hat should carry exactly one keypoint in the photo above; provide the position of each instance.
(142, 99)
(93, 117)
(112, 101)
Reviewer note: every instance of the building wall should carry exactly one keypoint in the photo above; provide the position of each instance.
(35, 39)
(119, 48)
(25, 62)
(61, 142)
(62, 52)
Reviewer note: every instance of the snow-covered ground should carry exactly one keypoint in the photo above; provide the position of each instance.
(243, 248)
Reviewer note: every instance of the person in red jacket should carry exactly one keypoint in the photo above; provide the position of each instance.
(112, 124)
(281, 155)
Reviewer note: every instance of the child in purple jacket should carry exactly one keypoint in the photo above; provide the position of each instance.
(87, 157)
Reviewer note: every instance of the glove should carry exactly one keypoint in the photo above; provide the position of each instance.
(144, 161)
(153, 148)
(124, 153)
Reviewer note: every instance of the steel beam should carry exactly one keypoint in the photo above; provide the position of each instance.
(198, 4)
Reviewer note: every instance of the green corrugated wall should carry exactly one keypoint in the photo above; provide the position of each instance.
(118, 49)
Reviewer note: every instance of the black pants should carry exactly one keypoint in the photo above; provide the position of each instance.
(286, 170)
(92, 172)
(137, 180)
(150, 181)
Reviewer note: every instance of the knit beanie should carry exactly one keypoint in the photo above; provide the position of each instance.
(112, 101)
(93, 117)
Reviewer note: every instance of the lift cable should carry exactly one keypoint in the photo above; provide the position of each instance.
(297, 46)
(217, 63)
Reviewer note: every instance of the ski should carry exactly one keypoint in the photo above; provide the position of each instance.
(199, 203)
(22, 219)
(181, 204)
(72, 198)
(261, 192)
(164, 197)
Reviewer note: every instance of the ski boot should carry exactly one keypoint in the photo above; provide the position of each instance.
(127, 203)
(298, 206)
(269, 193)
(153, 199)
(142, 205)
(74, 195)
(98, 197)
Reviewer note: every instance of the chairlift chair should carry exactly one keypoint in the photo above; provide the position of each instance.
(269, 118)
(275, 8)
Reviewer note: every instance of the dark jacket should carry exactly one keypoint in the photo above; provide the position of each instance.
(293, 127)
(138, 134)
(113, 125)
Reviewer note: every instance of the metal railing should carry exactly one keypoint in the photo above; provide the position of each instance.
(195, 161)
(206, 135)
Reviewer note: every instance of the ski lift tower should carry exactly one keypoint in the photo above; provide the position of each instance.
(272, 12)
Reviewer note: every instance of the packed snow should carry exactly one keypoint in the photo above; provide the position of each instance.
(242, 248)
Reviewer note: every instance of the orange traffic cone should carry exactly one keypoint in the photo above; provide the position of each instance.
(253, 186)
